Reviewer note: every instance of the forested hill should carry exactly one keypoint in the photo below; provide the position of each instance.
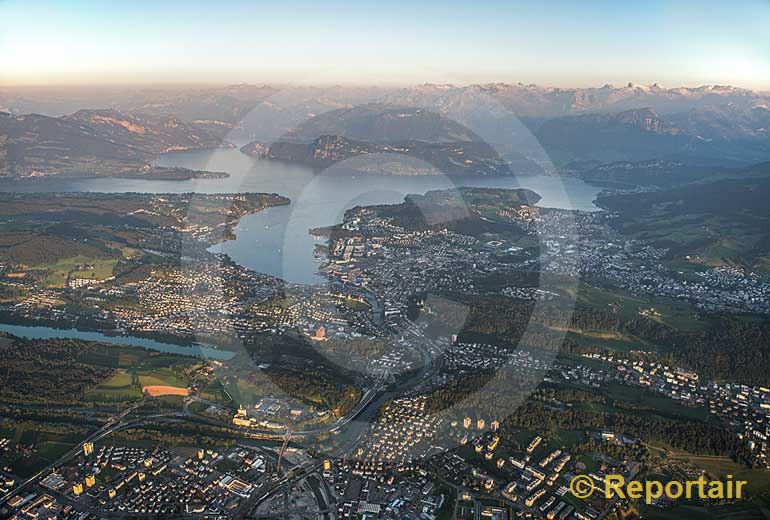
(745, 195)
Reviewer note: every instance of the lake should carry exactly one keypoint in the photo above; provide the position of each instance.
(276, 241)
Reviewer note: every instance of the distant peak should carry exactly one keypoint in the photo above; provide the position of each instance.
(437, 86)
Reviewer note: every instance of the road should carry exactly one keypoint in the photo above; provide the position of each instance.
(369, 404)
(111, 426)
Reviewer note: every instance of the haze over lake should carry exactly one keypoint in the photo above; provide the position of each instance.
(276, 241)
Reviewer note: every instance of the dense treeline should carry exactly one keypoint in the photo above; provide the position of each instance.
(743, 196)
(46, 371)
(495, 319)
(64, 415)
(691, 436)
(187, 433)
(296, 368)
(638, 452)
(591, 318)
(452, 394)
(730, 348)
(546, 412)
(63, 428)
(733, 348)
(352, 352)
(315, 387)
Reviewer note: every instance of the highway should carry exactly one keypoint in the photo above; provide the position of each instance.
(111, 426)
(369, 404)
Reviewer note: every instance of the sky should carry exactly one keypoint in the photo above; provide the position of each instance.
(556, 43)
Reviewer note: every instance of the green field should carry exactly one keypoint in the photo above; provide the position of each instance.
(647, 402)
(161, 377)
(137, 369)
(719, 467)
(567, 438)
(610, 340)
(650, 404)
(742, 510)
(77, 267)
(117, 388)
(677, 314)
(214, 391)
(664, 405)
(753, 505)
(48, 445)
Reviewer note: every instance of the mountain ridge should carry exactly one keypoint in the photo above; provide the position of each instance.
(95, 143)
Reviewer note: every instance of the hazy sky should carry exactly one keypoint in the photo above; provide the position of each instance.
(562, 43)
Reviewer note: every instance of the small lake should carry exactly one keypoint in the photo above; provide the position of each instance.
(276, 241)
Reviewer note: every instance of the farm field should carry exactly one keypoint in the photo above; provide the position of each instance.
(156, 391)
(43, 445)
(677, 314)
(129, 384)
(132, 369)
(117, 388)
(77, 267)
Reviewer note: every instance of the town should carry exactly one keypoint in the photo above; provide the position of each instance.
(421, 391)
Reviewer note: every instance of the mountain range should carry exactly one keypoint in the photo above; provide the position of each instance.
(530, 128)
(391, 139)
(96, 143)
(395, 158)
(701, 136)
